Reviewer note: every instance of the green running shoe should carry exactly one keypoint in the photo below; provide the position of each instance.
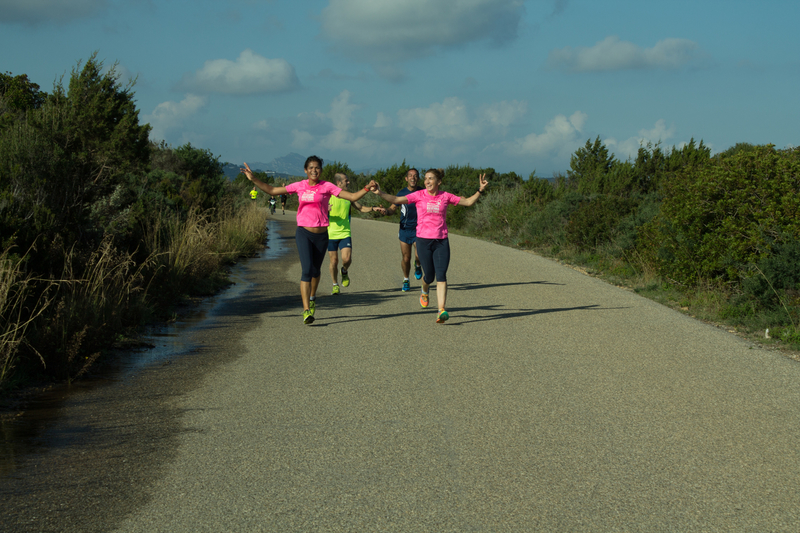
(312, 304)
(335, 289)
(345, 278)
(442, 318)
(308, 317)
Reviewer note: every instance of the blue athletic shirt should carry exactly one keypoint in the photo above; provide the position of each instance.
(408, 214)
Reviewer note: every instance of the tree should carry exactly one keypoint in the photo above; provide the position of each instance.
(20, 94)
(393, 179)
(589, 167)
(331, 169)
(68, 154)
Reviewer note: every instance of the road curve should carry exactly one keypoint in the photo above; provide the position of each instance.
(551, 401)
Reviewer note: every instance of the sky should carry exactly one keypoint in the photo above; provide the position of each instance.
(515, 85)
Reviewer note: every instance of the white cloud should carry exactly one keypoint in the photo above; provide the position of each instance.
(447, 132)
(301, 139)
(341, 118)
(630, 147)
(169, 115)
(382, 121)
(503, 114)
(561, 137)
(333, 131)
(36, 11)
(453, 120)
(249, 74)
(612, 54)
(447, 120)
(387, 31)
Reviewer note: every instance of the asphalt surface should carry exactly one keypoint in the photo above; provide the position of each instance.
(550, 401)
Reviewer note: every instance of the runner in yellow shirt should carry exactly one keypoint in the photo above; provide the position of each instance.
(339, 232)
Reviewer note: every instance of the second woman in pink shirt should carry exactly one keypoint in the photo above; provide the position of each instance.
(433, 245)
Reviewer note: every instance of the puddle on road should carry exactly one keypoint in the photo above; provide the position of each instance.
(22, 435)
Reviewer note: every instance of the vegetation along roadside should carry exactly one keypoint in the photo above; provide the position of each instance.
(102, 230)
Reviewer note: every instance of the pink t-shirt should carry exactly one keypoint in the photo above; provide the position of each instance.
(313, 209)
(432, 212)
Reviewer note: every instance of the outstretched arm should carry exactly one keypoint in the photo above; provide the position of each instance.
(389, 198)
(269, 189)
(467, 202)
(355, 196)
(369, 209)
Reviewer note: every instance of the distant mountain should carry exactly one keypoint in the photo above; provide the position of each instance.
(367, 171)
(282, 168)
(291, 164)
(230, 170)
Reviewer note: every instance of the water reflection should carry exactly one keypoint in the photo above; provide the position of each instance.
(23, 435)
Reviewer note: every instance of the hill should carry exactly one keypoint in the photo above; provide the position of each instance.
(290, 165)
(284, 168)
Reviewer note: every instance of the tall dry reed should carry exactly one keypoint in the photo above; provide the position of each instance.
(98, 298)
(197, 246)
(16, 311)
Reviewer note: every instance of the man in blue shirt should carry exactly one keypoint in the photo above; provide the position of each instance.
(408, 229)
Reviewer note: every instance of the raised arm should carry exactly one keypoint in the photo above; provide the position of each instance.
(468, 202)
(356, 196)
(269, 189)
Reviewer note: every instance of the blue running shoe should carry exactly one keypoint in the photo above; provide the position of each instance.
(417, 271)
(406, 285)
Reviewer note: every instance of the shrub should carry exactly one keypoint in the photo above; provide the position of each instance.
(776, 278)
(595, 221)
(717, 218)
(546, 225)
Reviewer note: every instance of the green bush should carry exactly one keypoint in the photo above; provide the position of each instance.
(775, 282)
(546, 225)
(630, 226)
(717, 218)
(595, 221)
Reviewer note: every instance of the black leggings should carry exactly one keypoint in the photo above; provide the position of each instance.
(312, 247)
(434, 256)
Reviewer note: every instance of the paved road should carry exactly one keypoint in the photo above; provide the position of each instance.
(550, 401)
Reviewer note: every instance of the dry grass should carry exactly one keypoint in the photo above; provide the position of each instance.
(108, 292)
(198, 245)
(16, 288)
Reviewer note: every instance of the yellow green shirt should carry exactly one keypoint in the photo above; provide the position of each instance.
(339, 218)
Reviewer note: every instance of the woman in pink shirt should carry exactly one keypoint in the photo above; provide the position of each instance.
(433, 246)
(312, 223)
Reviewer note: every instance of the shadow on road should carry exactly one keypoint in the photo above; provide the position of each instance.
(335, 307)
(474, 286)
(462, 316)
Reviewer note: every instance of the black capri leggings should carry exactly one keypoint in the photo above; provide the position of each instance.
(434, 256)
(312, 248)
